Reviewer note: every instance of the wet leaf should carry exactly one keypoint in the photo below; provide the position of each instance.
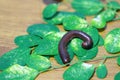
(17, 72)
(46, 47)
(87, 7)
(60, 15)
(100, 41)
(57, 18)
(40, 63)
(50, 10)
(98, 22)
(15, 56)
(101, 71)
(27, 40)
(42, 30)
(49, 46)
(117, 76)
(107, 15)
(74, 23)
(112, 41)
(113, 5)
(75, 45)
(118, 60)
(90, 54)
(79, 71)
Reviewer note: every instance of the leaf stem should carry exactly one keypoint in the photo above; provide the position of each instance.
(113, 56)
(104, 58)
(54, 67)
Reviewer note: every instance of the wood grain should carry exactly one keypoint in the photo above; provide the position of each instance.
(17, 15)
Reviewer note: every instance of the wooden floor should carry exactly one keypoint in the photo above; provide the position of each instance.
(17, 15)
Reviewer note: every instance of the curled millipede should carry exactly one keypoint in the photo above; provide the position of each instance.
(52, 1)
(62, 48)
(58, 0)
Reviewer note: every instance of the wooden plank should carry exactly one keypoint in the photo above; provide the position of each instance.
(17, 15)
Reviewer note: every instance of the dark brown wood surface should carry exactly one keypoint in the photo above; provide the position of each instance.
(17, 15)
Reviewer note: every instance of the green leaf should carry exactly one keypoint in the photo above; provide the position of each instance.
(81, 53)
(102, 18)
(90, 54)
(59, 16)
(112, 41)
(74, 23)
(117, 76)
(113, 5)
(46, 47)
(118, 60)
(87, 7)
(98, 22)
(27, 40)
(56, 36)
(101, 71)
(107, 15)
(50, 10)
(76, 43)
(79, 15)
(100, 41)
(16, 56)
(17, 72)
(38, 62)
(56, 19)
(42, 29)
(79, 71)
(49, 45)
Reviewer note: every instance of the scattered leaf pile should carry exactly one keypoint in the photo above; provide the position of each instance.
(34, 50)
